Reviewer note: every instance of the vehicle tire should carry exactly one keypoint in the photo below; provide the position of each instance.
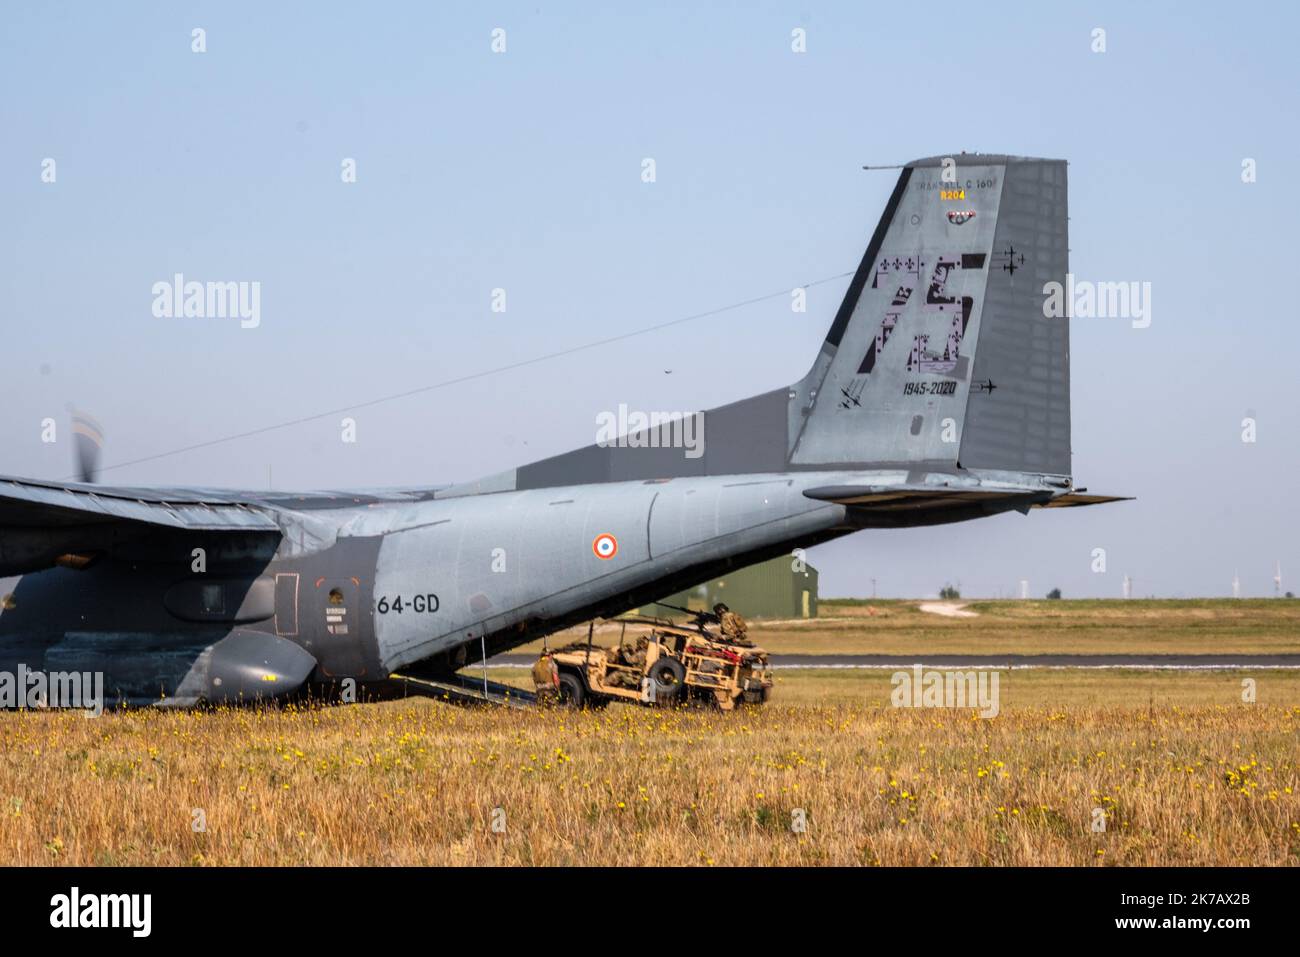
(572, 693)
(669, 678)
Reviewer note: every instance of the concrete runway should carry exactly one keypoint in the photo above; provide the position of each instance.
(1004, 662)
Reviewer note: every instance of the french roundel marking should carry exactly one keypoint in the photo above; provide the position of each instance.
(605, 546)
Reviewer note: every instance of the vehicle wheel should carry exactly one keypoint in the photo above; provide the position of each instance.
(572, 694)
(669, 677)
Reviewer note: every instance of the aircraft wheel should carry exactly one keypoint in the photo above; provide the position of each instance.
(572, 694)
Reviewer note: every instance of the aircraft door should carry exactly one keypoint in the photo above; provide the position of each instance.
(335, 626)
(286, 604)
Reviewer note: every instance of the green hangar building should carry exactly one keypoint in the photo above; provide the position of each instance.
(772, 589)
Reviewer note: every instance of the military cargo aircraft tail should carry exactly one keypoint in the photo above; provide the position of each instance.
(939, 356)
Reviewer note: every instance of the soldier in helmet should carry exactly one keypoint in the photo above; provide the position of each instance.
(546, 679)
(733, 627)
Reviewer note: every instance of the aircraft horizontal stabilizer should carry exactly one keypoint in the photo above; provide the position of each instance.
(900, 497)
(896, 498)
(1071, 499)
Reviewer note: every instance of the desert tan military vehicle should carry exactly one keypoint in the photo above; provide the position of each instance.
(666, 664)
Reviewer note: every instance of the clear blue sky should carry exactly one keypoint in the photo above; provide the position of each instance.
(522, 170)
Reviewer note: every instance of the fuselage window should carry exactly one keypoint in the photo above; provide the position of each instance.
(213, 599)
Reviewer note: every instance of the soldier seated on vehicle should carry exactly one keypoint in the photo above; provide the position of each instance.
(734, 628)
(635, 654)
(622, 679)
(632, 659)
(546, 679)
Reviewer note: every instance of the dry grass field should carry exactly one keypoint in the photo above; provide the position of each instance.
(1182, 771)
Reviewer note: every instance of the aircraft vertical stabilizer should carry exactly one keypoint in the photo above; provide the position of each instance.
(940, 352)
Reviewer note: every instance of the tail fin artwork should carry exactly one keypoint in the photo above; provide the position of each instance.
(939, 357)
(940, 352)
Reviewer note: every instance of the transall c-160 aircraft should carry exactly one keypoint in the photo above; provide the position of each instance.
(940, 394)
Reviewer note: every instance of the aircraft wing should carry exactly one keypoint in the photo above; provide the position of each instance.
(25, 503)
(43, 523)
